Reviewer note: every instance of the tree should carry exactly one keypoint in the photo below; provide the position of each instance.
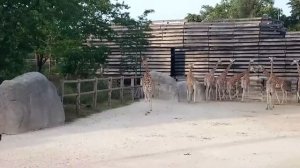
(13, 39)
(133, 41)
(293, 22)
(230, 9)
(57, 29)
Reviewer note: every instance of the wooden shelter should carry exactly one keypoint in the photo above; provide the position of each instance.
(175, 44)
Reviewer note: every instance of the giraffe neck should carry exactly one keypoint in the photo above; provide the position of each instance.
(227, 69)
(190, 72)
(147, 68)
(298, 68)
(271, 67)
(215, 68)
(265, 72)
(249, 66)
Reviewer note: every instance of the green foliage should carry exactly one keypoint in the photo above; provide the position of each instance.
(293, 22)
(56, 29)
(133, 41)
(83, 61)
(231, 9)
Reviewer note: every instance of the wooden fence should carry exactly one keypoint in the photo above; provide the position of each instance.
(94, 93)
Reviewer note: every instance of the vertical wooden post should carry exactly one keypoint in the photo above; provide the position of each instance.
(62, 91)
(78, 97)
(109, 91)
(95, 93)
(122, 89)
(132, 88)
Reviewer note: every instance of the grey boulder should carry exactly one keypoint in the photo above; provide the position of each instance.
(164, 86)
(29, 102)
(182, 93)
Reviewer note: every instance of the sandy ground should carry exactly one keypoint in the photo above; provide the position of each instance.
(209, 134)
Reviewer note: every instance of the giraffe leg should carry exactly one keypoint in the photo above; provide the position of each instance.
(298, 96)
(195, 92)
(221, 96)
(224, 95)
(149, 101)
(219, 91)
(282, 90)
(209, 93)
(206, 92)
(286, 97)
(229, 92)
(277, 96)
(187, 95)
(190, 95)
(267, 101)
(216, 92)
(236, 91)
(271, 101)
(145, 97)
(248, 89)
(150, 104)
(243, 94)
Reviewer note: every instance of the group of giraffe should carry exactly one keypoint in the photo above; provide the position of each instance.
(224, 84)
(221, 83)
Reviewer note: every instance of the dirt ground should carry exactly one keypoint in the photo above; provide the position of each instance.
(175, 135)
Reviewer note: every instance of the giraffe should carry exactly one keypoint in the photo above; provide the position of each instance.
(267, 74)
(234, 81)
(298, 69)
(147, 83)
(279, 82)
(270, 87)
(245, 80)
(209, 80)
(191, 84)
(221, 81)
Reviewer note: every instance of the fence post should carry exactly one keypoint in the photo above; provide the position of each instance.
(122, 89)
(109, 91)
(62, 91)
(132, 88)
(78, 97)
(95, 92)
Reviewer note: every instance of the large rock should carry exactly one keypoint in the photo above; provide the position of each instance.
(165, 86)
(29, 102)
(182, 94)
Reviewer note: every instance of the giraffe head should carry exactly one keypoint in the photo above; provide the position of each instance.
(144, 61)
(260, 67)
(253, 69)
(219, 60)
(251, 60)
(295, 62)
(191, 66)
(232, 60)
(271, 59)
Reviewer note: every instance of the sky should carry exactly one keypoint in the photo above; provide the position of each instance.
(178, 9)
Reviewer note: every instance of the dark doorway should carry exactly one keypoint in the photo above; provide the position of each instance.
(173, 73)
(177, 62)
